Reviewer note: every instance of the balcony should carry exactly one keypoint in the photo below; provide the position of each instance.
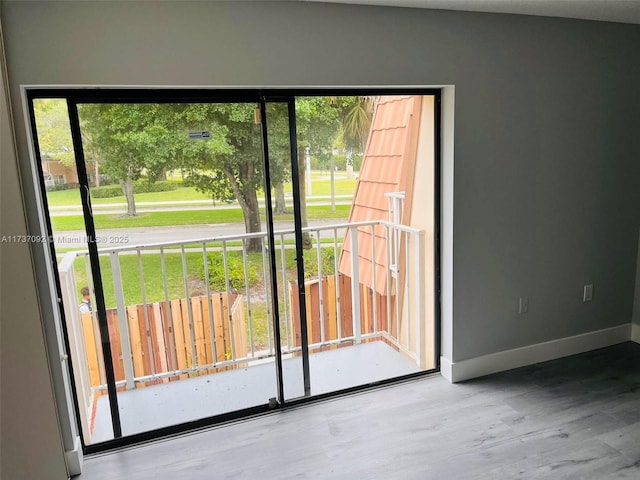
(205, 350)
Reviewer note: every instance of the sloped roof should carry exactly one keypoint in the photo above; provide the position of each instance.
(388, 166)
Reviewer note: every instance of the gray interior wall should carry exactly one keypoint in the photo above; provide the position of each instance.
(30, 441)
(545, 178)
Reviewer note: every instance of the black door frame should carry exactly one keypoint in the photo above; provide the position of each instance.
(261, 97)
(101, 314)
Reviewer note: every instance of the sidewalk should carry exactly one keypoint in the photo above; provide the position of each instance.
(179, 205)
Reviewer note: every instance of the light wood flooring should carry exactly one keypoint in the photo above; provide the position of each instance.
(573, 418)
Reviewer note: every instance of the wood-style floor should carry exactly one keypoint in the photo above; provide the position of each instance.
(573, 418)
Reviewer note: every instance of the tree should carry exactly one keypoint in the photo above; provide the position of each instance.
(229, 164)
(54, 136)
(356, 114)
(131, 140)
(279, 152)
(317, 122)
(54, 132)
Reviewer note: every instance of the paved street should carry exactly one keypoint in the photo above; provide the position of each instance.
(121, 237)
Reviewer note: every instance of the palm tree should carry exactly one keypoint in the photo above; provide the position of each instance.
(356, 116)
(356, 122)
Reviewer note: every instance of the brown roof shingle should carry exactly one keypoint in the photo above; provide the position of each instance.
(387, 166)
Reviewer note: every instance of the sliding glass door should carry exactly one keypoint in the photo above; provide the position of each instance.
(175, 288)
(221, 254)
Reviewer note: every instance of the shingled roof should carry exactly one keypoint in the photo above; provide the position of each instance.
(388, 166)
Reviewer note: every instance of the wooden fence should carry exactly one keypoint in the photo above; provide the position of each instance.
(164, 341)
(337, 304)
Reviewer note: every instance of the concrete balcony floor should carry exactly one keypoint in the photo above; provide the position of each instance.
(176, 402)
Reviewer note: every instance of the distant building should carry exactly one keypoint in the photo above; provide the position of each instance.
(58, 176)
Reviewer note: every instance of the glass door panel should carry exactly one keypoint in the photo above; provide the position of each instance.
(181, 234)
(281, 174)
(59, 176)
(369, 297)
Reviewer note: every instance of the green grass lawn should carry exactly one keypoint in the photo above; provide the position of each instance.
(154, 290)
(321, 186)
(153, 279)
(72, 197)
(152, 272)
(184, 217)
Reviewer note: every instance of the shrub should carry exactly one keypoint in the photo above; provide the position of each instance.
(189, 181)
(62, 186)
(340, 161)
(217, 280)
(139, 186)
(144, 186)
(107, 192)
(311, 262)
(327, 258)
(357, 162)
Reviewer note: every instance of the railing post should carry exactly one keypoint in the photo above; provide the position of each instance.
(123, 322)
(77, 347)
(320, 292)
(228, 286)
(247, 295)
(374, 283)
(355, 286)
(173, 356)
(407, 291)
(388, 280)
(147, 324)
(212, 328)
(265, 269)
(336, 272)
(96, 325)
(287, 307)
(420, 310)
(192, 333)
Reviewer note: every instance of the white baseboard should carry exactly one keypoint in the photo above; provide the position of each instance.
(74, 458)
(635, 332)
(446, 368)
(540, 352)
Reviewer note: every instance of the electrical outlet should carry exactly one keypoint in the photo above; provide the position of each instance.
(587, 294)
(523, 305)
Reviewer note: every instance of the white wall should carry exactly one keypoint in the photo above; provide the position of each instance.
(30, 441)
(546, 127)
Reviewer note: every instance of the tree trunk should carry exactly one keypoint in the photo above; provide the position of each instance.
(333, 183)
(306, 238)
(96, 170)
(127, 189)
(281, 206)
(251, 213)
(248, 199)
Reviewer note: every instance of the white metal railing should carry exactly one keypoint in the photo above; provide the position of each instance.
(397, 312)
(395, 215)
